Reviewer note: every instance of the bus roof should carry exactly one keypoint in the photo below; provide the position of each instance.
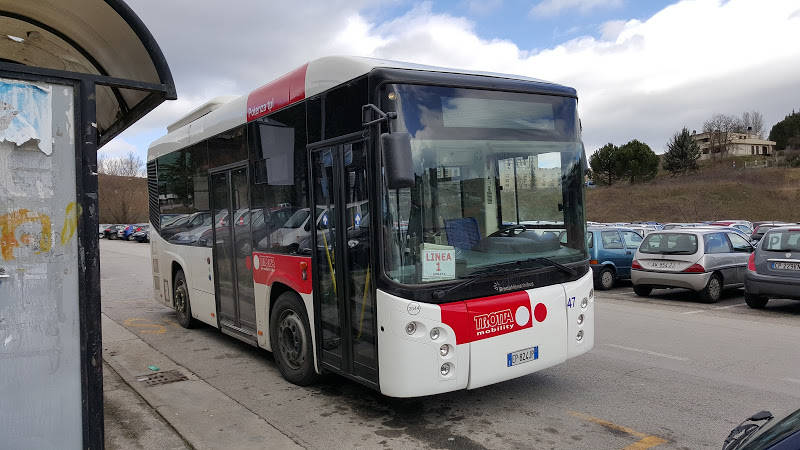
(223, 113)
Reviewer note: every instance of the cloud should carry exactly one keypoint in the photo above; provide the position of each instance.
(550, 8)
(638, 79)
(118, 148)
(483, 7)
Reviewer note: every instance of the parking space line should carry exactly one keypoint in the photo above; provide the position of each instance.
(648, 352)
(695, 311)
(645, 441)
(730, 306)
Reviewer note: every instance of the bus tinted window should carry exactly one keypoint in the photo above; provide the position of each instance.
(228, 147)
(343, 108)
(183, 194)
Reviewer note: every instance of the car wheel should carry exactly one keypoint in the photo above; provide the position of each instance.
(183, 306)
(642, 291)
(713, 290)
(606, 279)
(290, 336)
(755, 301)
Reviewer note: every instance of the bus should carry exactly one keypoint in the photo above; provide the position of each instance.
(416, 229)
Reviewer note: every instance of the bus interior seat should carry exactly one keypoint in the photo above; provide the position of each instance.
(462, 233)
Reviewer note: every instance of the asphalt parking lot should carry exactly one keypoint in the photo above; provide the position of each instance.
(666, 372)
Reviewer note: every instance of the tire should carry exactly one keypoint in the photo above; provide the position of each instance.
(713, 290)
(642, 291)
(180, 296)
(606, 279)
(755, 301)
(290, 336)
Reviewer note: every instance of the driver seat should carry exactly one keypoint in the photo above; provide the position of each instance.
(462, 233)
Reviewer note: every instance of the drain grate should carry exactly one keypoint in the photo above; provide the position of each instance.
(167, 376)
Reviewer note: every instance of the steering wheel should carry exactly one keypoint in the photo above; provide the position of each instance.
(509, 231)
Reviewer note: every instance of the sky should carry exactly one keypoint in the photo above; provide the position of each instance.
(643, 69)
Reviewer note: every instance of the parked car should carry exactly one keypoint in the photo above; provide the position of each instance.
(103, 227)
(759, 432)
(186, 223)
(131, 229)
(773, 270)
(676, 225)
(743, 225)
(112, 230)
(611, 251)
(729, 228)
(762, 228)
(143, 235)
(703, 260)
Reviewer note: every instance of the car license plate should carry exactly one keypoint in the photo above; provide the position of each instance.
(663, 265)
(785, 266)
(522, 356)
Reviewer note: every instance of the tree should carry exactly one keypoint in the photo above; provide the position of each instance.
(127, 166)
(719, 126)
(753, 123)
(637, 162)
(604, 164)
(682, 153)
(786, 130)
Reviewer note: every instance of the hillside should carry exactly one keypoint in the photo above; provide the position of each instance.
(714, 192)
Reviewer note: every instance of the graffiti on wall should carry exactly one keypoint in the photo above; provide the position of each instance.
(25, 228)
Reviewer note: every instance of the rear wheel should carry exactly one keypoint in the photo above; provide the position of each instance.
(180, 296)
(755, 301)
(290, 336)
(606, 279)
(642, 291)
(713, 290)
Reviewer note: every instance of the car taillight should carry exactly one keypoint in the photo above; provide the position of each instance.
(695, 268)
(751, 262)
(635, 265)
(594, 262)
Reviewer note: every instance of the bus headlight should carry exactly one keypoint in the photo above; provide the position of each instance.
(435, 333)
(584, 303)
(591, 292)
(579, 337)
(444, 350)
(411, 328)
(445, 369)
(580, 319)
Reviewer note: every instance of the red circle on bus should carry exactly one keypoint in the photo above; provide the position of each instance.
(540, 312)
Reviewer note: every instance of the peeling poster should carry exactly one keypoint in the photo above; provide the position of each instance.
(26, 114)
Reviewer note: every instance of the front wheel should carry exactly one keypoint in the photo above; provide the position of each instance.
(713, 290)
(606, 279)
(755, 301)
(642, 291)
(180, 296)
(290, 336)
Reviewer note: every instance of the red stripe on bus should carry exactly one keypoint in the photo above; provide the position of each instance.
(271, 97)
(271, 268)
(482, 318)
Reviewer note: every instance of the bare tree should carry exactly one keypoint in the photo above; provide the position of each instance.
(126, 166)
(754, 121)
(719, 128)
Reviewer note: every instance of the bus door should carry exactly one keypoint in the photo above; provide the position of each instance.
(233, 281)
(344, 281)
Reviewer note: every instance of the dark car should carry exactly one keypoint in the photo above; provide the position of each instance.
(760, 229)
(142, 235)
(774, 268)
(111, 231)
(757, 433)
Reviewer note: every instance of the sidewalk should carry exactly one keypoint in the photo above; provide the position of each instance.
(197, 415)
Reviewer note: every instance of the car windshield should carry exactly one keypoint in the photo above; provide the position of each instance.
(498, 176)
(669, 244)
(782, 241)
(298, 219)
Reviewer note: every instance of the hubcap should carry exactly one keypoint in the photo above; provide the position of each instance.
(607, 279)
(291, 339)
(180, 297)
(713, 288)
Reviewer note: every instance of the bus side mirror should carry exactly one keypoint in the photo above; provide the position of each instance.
(397, 160)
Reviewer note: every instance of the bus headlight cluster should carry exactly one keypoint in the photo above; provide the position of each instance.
(411, 328)
(435, 332)
(580, 319)
(445, 369)
(579, 336)
(444, 350)
(584, 302)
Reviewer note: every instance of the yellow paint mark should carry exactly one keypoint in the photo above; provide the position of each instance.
(645, 441)
(145, 327)
(8, 227)
(70, 222)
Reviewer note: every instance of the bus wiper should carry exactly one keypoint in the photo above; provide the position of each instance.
(503, 268)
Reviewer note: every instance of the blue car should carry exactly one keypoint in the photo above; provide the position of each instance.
(611, 251)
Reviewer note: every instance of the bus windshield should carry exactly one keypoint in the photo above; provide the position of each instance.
(499, 179)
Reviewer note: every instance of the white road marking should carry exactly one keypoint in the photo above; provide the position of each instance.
(697, 311)
(730, 306)
(694, 311)
(793, 380)
(648, 352)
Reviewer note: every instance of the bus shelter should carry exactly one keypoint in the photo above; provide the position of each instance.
(73, 74)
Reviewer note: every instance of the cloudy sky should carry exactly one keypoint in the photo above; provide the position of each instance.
(643, 69)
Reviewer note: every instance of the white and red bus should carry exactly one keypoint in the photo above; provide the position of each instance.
(416, 229)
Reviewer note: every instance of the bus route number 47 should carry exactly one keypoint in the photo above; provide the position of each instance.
(571, 302)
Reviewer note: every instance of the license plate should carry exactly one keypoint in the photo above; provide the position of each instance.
(785, 266)
(522, 356)
(663, 265)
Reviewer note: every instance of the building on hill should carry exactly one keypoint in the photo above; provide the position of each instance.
(720, 144)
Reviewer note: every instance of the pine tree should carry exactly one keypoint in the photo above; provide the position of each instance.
(682, 153)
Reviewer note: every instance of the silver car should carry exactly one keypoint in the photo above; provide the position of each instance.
(703, 260)
(774, 269)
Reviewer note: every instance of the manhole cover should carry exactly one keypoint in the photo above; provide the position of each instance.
(167, 376)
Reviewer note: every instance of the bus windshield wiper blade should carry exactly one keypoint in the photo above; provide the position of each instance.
(563, 268)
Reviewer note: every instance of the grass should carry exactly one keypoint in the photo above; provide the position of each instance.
(716, 191)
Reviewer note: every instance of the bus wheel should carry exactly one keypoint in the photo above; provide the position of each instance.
(290, 336)
(181, 297)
